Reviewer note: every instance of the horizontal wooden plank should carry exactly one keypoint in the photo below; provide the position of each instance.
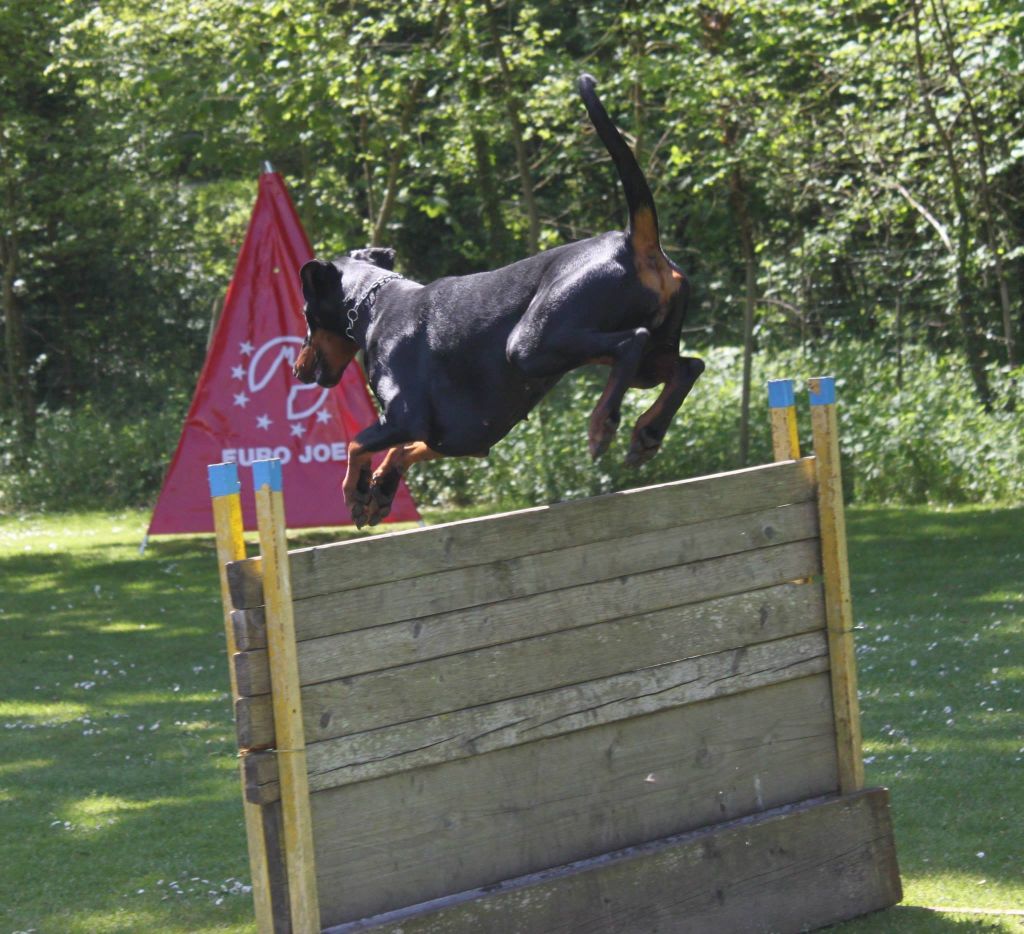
(505, 724)
(250, 629)
(344, 566)
(791, 869)
(245, 583)
(585, 563)
(714, 631)
(434, 634)
(418, 835)
(363, 702)
(260, 771)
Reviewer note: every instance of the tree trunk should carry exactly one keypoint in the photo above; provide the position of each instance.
(513, 108)
(970, 334)
(397, 152)
(739, 204)
(15, 353)
(494, 223)
(67, 358)
(395, 157)
(981, 147)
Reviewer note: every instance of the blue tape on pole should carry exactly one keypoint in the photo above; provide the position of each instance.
(267, 473)
(822, 390)
(780, 393)
(223, 479)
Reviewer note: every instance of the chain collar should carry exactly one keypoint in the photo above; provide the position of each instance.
(353, 310)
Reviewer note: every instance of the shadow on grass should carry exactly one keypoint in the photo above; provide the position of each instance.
(127, 642)
(939, 601)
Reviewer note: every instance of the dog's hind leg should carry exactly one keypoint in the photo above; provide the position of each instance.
(384, 483)
(604, 420)
(560, 352)
(679, 374)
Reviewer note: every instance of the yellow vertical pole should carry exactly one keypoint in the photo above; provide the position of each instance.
(836, 579)
(289, 735)
(785, 440)
(227, 525)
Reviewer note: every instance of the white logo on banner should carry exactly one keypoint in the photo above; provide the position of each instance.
(264, 365)
(303, 401)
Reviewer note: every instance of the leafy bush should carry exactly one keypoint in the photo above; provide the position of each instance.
(86, 459)
(927, 441)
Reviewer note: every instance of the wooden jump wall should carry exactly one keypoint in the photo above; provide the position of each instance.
(631, 713)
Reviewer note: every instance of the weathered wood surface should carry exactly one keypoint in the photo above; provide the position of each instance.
(296, 822)
(331, 708)
(791, 869)
(838, 605)
(249, 628)
(419, 606)
(345, 566)
(265, 865)
(418, 835)
(785, 438)
(512, 620)
(720, 637)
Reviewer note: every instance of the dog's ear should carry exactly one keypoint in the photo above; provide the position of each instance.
(383, 256)
(320, 280)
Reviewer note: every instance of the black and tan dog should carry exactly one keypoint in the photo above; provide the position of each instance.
(457, 363)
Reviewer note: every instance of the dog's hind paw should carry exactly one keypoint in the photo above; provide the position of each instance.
(645, 444)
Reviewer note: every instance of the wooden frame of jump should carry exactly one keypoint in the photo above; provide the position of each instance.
(632, 713)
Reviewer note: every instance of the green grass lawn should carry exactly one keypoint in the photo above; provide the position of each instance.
(119, 804)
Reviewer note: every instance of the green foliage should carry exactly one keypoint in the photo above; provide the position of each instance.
(84, 459)
(929, 441)
(857, 172)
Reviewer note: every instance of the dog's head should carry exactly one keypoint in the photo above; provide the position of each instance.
(328, 349)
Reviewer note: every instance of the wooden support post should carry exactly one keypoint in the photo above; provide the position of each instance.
(227, 524)
(785, 440)
(287, 703)
(836, 578)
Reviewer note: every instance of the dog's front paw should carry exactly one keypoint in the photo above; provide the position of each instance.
(360, 509)
(383, 488)
(645, 444)
(356, 490)
(603, 426)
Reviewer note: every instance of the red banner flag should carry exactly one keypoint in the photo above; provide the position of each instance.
(249, 407)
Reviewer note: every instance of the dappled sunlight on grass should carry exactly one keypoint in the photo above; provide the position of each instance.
(7, 768)
(172, 914)
(915, 919)
(99, 811)
(119, 776)
(20, 714)
(939, 601)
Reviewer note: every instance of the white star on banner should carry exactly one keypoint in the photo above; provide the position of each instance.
(323, 416)
(245, 348)
(298, 430)
(241, 399)
(238, 372)
(263, 421)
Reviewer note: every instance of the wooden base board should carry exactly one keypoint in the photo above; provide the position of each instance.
(794, 868)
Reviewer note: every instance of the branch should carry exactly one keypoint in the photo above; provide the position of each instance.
(940, 228)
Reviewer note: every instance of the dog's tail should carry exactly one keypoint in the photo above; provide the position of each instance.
(643, 218)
